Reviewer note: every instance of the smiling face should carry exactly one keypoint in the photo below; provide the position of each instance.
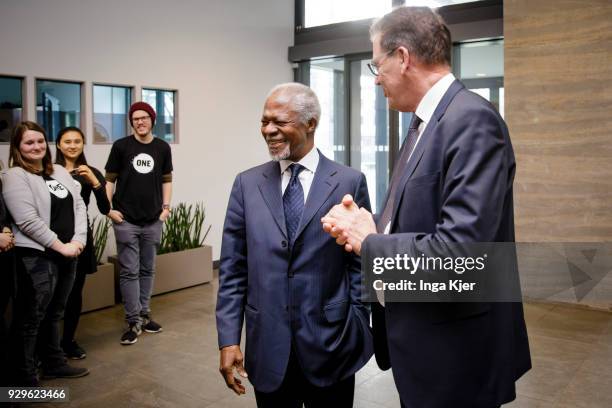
(287, 137)
(33, 147)
(141, 123)
(71, 145)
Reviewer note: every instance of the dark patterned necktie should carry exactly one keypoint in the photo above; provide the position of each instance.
(293, 201)
(398, 172)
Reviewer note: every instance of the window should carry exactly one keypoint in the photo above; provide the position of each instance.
(11, 105)
(164, 104)
(480, 66)
(369, 131)
(110, 112)
(58, 104)
(327, 81)
(322, 12)
(354, 125)
(435, 3)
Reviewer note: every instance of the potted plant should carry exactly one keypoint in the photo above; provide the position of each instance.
(99, 289)
(183, 260)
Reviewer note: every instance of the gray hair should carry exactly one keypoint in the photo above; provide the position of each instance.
(301, 97)
(420, 29)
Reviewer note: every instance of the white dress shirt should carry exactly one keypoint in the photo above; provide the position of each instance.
(430, 102)
(426, 109)
(310, 162)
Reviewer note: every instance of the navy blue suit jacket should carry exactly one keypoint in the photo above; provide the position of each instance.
(457, 188)
(306, 297)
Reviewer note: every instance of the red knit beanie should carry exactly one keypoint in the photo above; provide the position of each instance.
(143, 106)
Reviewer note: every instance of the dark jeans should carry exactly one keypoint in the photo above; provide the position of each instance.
(43, 286)
(296, 390)
(74, 305)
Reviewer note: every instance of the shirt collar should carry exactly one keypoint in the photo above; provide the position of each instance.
(432, 98)
(310, 161)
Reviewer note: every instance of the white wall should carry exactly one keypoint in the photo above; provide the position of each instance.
(221, 56)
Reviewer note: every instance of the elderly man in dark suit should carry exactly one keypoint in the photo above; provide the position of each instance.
(452, 183)
(307, 332)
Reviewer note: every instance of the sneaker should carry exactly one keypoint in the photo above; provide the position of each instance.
(131, 335)
(149, 325)
(64, 371)
(73, 351)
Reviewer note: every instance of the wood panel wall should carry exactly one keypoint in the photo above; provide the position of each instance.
(558, 93)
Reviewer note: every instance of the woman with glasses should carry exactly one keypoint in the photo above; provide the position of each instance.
(51, 232)
(70, 143)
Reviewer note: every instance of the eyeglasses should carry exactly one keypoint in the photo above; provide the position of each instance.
(141, 119)
(374, 67)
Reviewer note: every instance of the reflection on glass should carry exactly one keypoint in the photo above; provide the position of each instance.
(11, 106)
(58, 104)
(369, 131)
(327, 81)
(163, 103)
(110, 108)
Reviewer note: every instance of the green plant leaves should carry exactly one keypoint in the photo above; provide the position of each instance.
(183, 228)
(100, 228)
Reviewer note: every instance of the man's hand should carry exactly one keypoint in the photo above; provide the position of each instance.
(115, 216)
(349, 224)
(231, 357)
(164, 215)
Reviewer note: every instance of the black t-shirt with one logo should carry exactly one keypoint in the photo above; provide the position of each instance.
(62, 210)
(139, 168)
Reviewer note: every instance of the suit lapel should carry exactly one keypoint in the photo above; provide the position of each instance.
(321, 188)
(270, 188)
(425, 140)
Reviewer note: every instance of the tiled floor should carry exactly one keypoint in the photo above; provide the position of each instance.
(571, 352)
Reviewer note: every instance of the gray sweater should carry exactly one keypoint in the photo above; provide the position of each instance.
(28, 200)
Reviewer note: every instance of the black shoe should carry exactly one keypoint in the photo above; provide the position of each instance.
(131, 335)
(73, 351)
(65, 371)
(149, 325)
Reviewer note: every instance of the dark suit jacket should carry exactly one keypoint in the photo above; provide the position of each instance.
(306, 297)
(457, 188)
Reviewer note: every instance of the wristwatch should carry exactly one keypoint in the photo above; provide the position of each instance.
(166, 207)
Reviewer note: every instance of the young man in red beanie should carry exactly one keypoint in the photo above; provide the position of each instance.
(139, 186)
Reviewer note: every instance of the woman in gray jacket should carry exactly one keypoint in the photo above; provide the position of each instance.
(50, 232)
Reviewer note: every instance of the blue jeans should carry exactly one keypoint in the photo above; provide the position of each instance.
(136, 250)
(43, 286)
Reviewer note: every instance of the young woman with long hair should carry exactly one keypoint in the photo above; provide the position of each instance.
(70, 143)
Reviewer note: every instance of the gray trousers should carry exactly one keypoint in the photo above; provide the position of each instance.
(136, 250)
